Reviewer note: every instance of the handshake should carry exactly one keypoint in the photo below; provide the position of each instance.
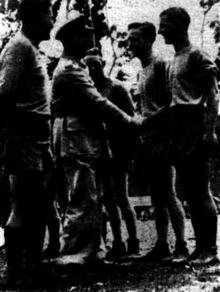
(146, 123)
(140, 123)
(137, 120)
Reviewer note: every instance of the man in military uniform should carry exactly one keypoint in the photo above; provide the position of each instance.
(83, 145)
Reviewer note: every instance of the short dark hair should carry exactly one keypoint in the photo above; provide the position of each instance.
(135, 25)
(177, 15)
(29, 10)
(147, 29)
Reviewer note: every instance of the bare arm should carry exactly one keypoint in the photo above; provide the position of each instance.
(87, 100)
(211, 96)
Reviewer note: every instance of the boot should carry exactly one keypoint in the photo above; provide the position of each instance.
(133, 246)
(180, 254)
(117, 251)
(158, 253)
(209, 256)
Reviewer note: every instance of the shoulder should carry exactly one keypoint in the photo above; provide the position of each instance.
(195, 50)
(19, 44)
(70, 71)
(198, 54)
(118, 86)
(66, 66)
(116, 83)
(18, 52)
(202, 60)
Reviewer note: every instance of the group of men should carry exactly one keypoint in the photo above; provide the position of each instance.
(180, 100)
(177, 110)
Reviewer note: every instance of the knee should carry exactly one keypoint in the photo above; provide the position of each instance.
(173, 202)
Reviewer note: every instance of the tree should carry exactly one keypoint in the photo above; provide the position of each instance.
(119, 48)
(12, 5)
(8, 21)
(93, 10)
(215, 24)
(95, 16)
(8, 6)
(2, 6)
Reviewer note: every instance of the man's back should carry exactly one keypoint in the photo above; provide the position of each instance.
(24, 87)
(26, 80)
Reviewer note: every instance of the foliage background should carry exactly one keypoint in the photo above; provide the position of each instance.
(110, 19)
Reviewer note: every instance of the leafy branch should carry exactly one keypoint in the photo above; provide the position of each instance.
(207, 5)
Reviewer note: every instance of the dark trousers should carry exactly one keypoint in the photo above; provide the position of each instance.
(82, 209)
(25, 228)
(191, 158)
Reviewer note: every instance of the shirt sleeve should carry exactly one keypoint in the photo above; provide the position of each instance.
(204, 68)
(102, 107)
(122, 99)
(73, 82)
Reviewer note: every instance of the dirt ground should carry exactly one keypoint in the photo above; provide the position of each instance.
(126, 277)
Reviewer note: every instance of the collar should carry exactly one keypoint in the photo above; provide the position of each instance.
(74, 59)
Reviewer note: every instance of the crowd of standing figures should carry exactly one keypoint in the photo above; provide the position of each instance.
(66, 144)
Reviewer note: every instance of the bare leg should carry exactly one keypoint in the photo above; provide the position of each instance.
(122, 200)
(174, 206)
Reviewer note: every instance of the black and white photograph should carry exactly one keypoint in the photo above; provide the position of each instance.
(109, 145)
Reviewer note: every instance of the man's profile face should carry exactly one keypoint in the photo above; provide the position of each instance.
(168, 30)
(45, 23)
(84, 42)
(136, 42)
